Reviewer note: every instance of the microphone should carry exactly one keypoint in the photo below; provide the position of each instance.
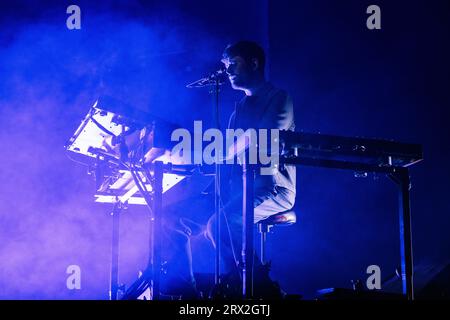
(216, 77)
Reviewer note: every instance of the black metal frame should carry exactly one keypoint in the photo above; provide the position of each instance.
(400, 175)
(248, 174)
(156, 225)
(114, 276)
(215, 89)
(151, 277)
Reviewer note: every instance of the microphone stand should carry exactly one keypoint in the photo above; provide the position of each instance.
(217, 194)
(214, 82)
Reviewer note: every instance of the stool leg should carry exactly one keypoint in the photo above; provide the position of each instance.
(263, 229)
(263, 246)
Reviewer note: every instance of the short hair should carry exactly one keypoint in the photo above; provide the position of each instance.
(248, 50)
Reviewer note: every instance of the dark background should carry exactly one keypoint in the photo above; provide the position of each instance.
(347, 80)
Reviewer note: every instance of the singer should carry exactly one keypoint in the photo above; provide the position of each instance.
(263, 107)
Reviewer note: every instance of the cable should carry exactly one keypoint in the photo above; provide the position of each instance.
(76, 161)
(102, 127)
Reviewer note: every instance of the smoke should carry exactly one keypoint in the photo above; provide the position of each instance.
(50, 76)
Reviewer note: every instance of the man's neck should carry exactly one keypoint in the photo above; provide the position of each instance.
(255, 87)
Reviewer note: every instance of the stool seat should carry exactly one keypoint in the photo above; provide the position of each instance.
(284, 218)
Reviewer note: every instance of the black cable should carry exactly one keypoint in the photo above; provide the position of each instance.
(98, 124)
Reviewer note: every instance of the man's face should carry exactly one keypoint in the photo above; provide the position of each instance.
(238, 71)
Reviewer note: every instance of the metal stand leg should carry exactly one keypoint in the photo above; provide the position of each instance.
(114, 279)
(401, 177)
(248, 172)
(151, 278)
(218, 238)
(263, 230)
(156, 230)
(217, 193)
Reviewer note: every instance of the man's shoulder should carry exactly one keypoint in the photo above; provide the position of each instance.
(278, 94)
(279, 112)
(270, 94)
(280, 99)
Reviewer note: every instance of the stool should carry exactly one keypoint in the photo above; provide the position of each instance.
(285, 218)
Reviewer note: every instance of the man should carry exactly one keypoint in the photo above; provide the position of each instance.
(262, 107)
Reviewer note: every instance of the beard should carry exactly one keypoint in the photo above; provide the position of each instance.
(238, 83)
